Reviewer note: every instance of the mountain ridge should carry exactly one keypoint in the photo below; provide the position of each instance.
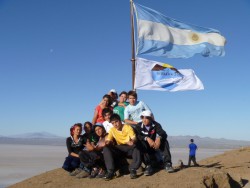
(45, 138)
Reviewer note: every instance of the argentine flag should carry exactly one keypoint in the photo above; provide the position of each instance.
(159, 35)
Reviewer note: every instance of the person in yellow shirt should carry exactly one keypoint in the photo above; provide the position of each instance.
(120, 142)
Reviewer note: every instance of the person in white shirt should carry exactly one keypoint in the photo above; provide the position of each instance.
(106, 113)
(132, 113)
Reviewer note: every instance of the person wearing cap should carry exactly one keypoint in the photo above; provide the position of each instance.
(133, 111)
(151, 139)
(192, 153)
(120, 143)
(114, 97)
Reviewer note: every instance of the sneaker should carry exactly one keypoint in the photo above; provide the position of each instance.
(169, 168)
(109, 175)
(133, 174)
(75, 172)
(148, 170)
(83, 174)
(101, 173)
(94, 173)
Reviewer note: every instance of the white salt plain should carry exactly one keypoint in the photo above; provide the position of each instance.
(19, 162)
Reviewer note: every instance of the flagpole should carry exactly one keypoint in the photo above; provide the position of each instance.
(133, 44)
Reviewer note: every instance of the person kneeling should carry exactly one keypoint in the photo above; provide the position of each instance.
(152, 138)
(124, 137)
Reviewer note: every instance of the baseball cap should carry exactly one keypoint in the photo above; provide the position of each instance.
(112, 91)
(97, 125)
(146, 113)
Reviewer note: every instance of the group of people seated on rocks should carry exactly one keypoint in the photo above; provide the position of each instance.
(122, 137)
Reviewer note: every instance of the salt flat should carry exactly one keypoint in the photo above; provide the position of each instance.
(19, 162)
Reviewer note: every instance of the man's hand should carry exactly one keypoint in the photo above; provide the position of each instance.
(108, 142)
(130, 143)
(157, 143)
(89, 146)
(150, 142)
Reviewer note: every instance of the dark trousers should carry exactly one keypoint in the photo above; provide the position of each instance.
(193, 159)
(114, 154)
(91, 159)
(150, 154)
(71, 163)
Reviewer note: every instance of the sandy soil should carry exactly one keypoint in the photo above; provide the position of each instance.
(231, 169)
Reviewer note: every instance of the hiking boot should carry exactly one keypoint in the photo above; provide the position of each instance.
(83, 174)
(148, 170)
(169, 168)
(133, 174)
(94, 173)
(75, 172)
(101, 173)
(109, 175)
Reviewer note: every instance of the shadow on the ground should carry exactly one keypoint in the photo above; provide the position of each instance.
(244, 181)
(213, 165)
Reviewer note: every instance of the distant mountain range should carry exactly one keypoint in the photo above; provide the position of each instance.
(206, 142)
(35, 135)
(36, 138)
(45, 138)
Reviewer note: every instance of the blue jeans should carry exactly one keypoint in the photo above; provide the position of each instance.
(71, 163)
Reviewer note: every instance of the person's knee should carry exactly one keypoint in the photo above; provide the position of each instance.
(106, 149)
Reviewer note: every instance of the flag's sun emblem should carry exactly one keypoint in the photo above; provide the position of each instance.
(195, 37)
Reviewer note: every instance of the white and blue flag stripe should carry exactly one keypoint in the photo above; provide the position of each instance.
(159, 35)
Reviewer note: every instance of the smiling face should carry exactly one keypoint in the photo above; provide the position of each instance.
(123, 97)
(99, 131)
(107, 116)
(146, 120)
(87, 128)
(131, 100)
(77, 131)
(106, 101)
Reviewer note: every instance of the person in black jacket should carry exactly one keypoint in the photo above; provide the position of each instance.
(152, 139)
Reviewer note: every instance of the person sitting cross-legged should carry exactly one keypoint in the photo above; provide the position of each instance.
(124, 137)
(151, 139)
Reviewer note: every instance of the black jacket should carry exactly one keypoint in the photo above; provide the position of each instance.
(154, 131)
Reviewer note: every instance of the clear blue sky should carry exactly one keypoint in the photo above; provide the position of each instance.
(59, 57)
